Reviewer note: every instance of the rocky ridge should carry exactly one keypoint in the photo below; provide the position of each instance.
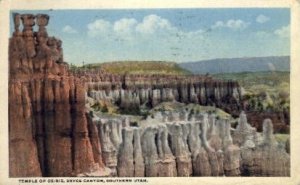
(133, 91)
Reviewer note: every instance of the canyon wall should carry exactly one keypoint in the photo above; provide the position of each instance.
(49, 134)
(133, 91)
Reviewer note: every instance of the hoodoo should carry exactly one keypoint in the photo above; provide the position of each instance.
(49, 134)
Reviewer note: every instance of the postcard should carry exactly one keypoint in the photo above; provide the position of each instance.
(132, 92)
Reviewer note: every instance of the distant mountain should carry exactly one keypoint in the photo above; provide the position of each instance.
(236, 65)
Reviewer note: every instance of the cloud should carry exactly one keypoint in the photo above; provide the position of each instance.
(218, 24)
(262, 19)
(195, 33)
(130, 38)
(98, 27)
(263, 34)
(153, 23)
(125, 25)
(237, 24)
(69, 29)
(283, 32)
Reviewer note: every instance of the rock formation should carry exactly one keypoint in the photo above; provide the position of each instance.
(49, 132)
(167, 144)
(132, 91)
(244, 133)
(125, 158)
(261, 156)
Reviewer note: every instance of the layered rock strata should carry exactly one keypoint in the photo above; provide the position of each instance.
(130, 91)
(133, 91)
(49, 134)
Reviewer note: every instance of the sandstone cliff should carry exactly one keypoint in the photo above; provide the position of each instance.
(48, 130)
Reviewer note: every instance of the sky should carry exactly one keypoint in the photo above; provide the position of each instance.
(180, 35)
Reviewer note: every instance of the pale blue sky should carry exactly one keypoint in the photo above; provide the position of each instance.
(179, 35)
